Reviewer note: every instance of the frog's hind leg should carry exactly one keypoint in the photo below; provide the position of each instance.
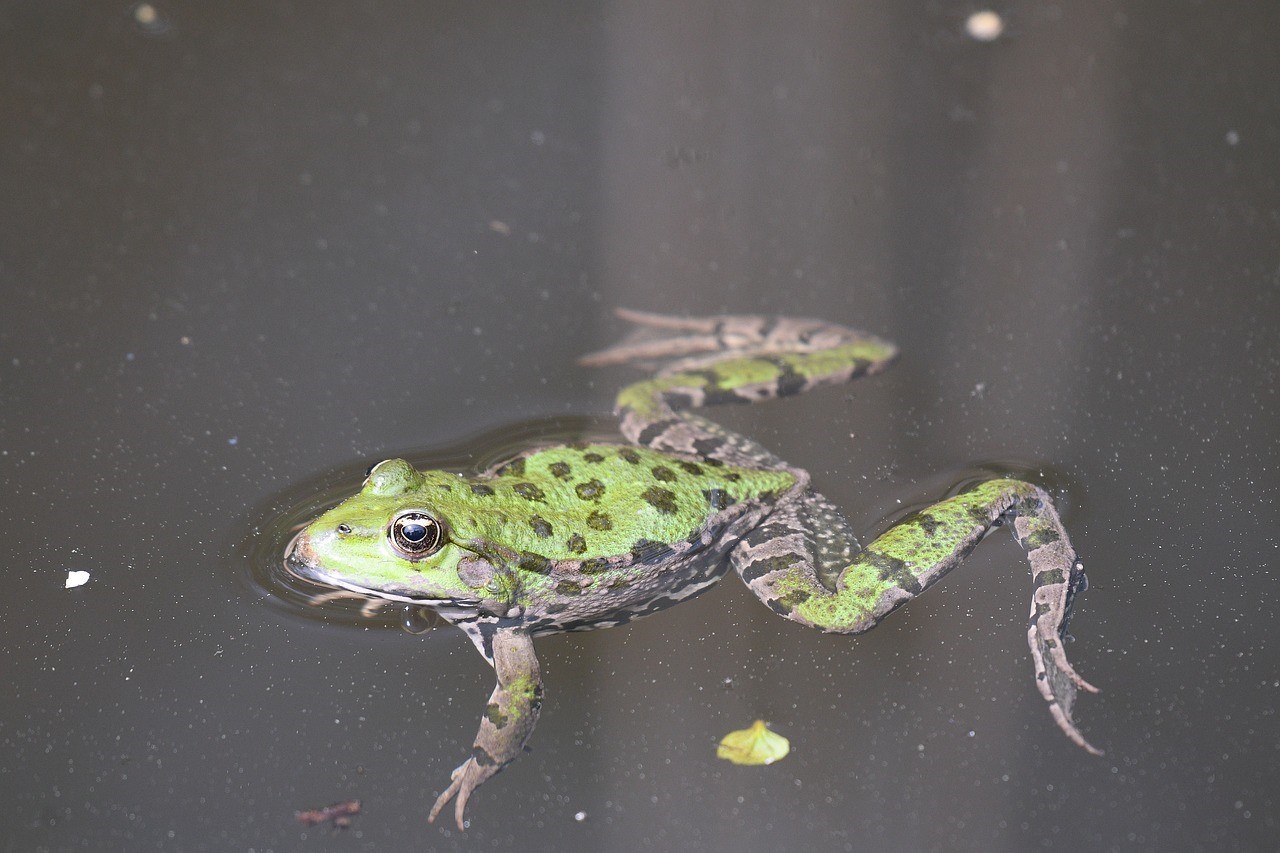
(728, 359)
(793, 564)
(509, 717)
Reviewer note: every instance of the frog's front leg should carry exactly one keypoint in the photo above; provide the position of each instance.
(508, 719)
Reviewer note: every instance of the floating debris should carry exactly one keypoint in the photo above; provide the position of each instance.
(339, 814)
(756, 745)
(76, 578)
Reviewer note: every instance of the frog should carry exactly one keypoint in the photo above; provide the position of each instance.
(589, 535)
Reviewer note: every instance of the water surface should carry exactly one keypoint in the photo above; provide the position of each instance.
(246, 247)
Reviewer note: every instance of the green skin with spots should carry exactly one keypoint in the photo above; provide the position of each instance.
(577, 537)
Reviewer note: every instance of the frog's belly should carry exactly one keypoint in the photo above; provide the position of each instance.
(651, 588)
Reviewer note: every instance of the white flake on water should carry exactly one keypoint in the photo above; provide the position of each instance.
(985, 25)
(77, 578)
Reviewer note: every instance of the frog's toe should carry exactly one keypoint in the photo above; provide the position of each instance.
(466, 778)
(659, 338)
(666, 321)
(454, 789)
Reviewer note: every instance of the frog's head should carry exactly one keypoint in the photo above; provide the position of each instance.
(386, 541)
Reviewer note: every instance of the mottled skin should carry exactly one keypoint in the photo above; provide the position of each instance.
(590, 536)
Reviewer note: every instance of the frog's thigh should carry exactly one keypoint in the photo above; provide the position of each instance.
(797, 555)
(802, 563)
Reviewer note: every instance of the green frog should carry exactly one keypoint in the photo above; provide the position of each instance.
(583, 536)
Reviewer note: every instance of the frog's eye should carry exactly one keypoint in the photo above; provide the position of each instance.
(415, 534)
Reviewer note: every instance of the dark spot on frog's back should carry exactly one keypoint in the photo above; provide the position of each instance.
(560, 470)
(663, 500)
(592, 457)
(529, 492)
(591, 490)
(568, 588)
(594, 566)
(535, 563)
(663, 473)
(629, 455)
(599, 521)
(540, 526)
(576, 544)
(482, 490)
(692, 468)
(647, 549)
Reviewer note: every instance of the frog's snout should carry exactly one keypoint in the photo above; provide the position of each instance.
(303, 550)
(306, 556)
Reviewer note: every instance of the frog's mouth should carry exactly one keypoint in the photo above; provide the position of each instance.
(301, 560)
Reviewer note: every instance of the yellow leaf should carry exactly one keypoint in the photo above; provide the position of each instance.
(756, 745)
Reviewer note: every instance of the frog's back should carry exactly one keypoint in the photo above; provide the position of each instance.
(584, 502)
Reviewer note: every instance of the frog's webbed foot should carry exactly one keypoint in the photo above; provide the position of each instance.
(1058, 576)
(508, 719)
(658, 338)
(792, 564)
(466, 778)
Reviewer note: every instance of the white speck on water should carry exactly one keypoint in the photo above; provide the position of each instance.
(1233, 138)
(580, 816)
(145, 14)
(233, 441)
(984, 25)
(76, 578)
(128, 356)
(537, 137)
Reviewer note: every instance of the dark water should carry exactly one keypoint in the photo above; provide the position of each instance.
(245, 247)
